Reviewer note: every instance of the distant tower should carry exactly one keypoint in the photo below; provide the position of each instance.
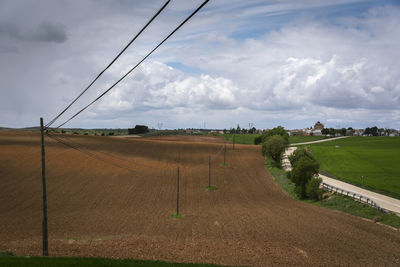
(318, 126)
(317, 129)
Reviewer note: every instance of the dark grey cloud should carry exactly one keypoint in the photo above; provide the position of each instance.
(50, 32)
(46, 31)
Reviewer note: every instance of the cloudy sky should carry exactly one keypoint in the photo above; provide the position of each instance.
(269, 63)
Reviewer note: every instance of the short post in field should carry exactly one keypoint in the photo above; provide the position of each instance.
(225, 154)
(177, 194)
(233, 144)
(209, 171)
(44, 223)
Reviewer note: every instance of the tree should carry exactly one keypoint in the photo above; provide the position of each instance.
(312, 188)
(350, 131)
(238, 130)
(274, 147)
(343, 131)
(300, 153)
(258, 140)
(275, 131)
(302, 172)
(325, 131)
(367, 131)
(225, 131)
(139, 129)
(332, 132)
(374, 131)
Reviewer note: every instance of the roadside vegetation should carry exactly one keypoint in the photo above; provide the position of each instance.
(301, 183)
(8, 259)
(305, 167)
(333, 201)
(369, 162)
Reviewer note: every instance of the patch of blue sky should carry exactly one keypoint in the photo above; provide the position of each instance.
(356, 10)
(184, 68)
(261, 24)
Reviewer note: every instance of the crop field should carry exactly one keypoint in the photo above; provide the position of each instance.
(247, 139)
(376, 158)
(96, 209)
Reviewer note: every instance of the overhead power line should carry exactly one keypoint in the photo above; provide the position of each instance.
(126, 74)
(88, 153)
(109, 65)
(76, 144)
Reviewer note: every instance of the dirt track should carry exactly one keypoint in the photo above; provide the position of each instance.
(96, 209)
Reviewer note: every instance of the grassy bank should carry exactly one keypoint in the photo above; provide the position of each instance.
(336, 202)
(376, 158)
(7, 259)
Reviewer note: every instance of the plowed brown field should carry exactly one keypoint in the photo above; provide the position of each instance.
(97, 209)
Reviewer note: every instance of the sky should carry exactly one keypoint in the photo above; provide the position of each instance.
(250, 62)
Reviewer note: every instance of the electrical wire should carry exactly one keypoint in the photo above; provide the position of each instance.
(107, 154)
(109, 65)
(126, 74)
(88, 153)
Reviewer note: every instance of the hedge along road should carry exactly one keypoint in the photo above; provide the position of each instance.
(385, 202)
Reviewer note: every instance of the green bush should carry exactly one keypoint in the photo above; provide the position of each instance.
(299, 153)
(274, 147)
(275, 131)
(304, 170)
(312, 189)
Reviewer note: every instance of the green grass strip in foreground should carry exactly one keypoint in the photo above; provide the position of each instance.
(8, 260)
(336, 202)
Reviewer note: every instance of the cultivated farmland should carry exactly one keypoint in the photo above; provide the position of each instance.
(97, 209)
(376, 158)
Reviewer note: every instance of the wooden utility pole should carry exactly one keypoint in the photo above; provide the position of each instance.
(44, 224)
(233, 142)
(209, 171)
(177, 194)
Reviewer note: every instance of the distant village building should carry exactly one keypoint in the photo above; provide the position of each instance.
(317, 129)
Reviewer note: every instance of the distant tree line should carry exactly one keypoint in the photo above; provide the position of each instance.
(139, 129)
(239, 130)
(369, 131)
(375, 131)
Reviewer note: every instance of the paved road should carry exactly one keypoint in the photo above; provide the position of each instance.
(385, 202)
(319, 141)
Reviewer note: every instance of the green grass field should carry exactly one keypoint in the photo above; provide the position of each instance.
(10, 260)
(376, 158)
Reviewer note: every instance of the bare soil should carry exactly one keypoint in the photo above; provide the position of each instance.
(98, 209)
